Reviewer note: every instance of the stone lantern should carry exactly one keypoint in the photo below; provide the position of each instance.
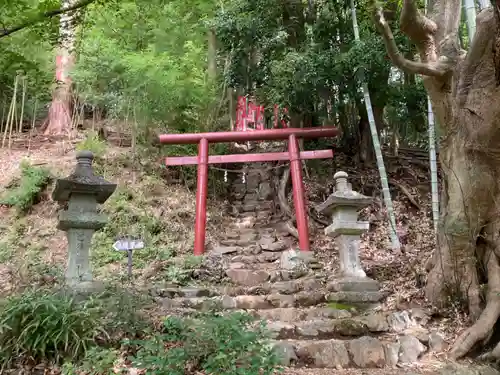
(82, 191)
(343, 206)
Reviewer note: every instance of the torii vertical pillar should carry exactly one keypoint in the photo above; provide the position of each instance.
(201, 198)
(299, 199)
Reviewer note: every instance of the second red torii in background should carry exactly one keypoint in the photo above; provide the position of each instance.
(250, 116)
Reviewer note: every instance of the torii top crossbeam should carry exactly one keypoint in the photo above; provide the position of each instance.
(256, 135)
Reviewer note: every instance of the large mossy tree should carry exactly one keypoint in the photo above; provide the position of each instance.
(464, 87)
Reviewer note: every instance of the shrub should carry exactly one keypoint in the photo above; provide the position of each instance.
(46, 326)
(121, 314)
(213, 344)
(97, 361)
(25, 192)
(92, 142)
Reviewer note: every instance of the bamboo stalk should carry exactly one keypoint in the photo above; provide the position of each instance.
(11, 115)
(14, 112)
(470, 14)
(23, 101)
(433, 161)
(3, 114)
(32, 125)
(134, 139)
(6, 130)
(74, 114)
(433, 164)
(396, 246)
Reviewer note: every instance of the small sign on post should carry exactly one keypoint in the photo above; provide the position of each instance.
(128, 245)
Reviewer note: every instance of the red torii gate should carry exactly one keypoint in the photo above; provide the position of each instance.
(294, 155)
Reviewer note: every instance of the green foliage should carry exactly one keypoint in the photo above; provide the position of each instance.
(120, 313)
(154, 75)
(25, 192)
(93, 143)
(138, 213)
(406, 111)
(340, 306)
(46, 326)
(314, 58)
(52, 326)
(129, 215)
(11, 232)
(213, 344)
(27, 53)
(97, 361)
(182, 274)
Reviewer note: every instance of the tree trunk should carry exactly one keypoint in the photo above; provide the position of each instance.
(59, 119)
(465, 94)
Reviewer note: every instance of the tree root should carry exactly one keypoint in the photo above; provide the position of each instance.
(285, 178)
(285, 207)
(431, 262)
(492, 355)
(290, 228)
(483, 327)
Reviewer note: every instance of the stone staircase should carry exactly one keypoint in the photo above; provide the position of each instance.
(312, 316)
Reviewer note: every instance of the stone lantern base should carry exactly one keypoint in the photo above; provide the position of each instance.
(86, 287)
(354, 290)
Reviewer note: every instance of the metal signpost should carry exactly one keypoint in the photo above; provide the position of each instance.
(128, 245)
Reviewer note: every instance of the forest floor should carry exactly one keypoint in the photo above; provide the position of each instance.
(32, 250)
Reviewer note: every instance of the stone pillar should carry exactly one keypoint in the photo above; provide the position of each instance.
(82, 191)
(351, 285)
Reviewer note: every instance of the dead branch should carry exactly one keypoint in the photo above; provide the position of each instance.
(406, 193)
(283, 202)
(433, 69)
(313, 215)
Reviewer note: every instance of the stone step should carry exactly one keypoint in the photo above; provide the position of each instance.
(259, 302)
(294, 293)
(294, 314)
(302, 292)
(264, 257)
(251, 252)
(362, 352)
(265, 242)
(160, 291)
(281, 287)
(279, 314)
(256, 275)
(322, 328)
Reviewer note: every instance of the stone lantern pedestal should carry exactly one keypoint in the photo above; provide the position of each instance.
(82, 191)
(351, 285)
